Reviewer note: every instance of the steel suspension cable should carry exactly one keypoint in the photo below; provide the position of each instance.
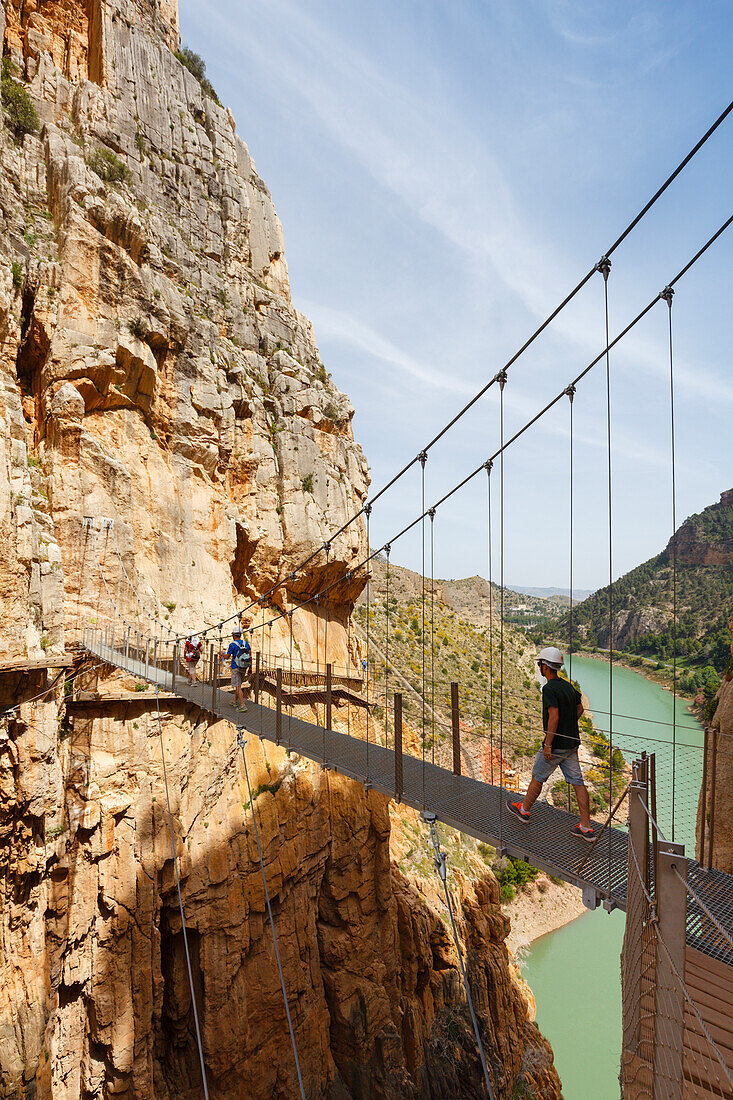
(431, 513)
(548, 320)
(605, 267)
(180, 902)
(242, 743)
(423, 458)
(489, 466)
(387, 550)
(571, 394)
(367, 667)
(502, 384)
(558, 397)
(668, 294)
(440, 867)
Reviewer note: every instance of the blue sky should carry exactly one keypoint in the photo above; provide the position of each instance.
(445, 171)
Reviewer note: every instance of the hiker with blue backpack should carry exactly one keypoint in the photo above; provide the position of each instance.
(240, 655)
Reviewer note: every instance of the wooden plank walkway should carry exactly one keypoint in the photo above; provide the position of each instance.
(464, 803)
(31, 664)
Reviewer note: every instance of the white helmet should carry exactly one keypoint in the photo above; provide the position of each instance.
(550, 656)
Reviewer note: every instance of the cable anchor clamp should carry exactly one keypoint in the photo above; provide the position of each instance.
(668, 294)
(604, 266)
(501, 377)
(367, 510)
(571, 391)
(489, 465)
(431, 513)
(241, 739)
(388, 548)
(423, 457)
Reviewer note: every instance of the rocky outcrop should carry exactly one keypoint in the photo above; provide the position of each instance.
(722, 837)
(95, 995)
(155, 372)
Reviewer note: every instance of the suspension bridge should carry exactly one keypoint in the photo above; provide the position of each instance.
(678, 952)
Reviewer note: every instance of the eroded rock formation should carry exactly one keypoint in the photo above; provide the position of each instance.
(155, 371)
(722, 830)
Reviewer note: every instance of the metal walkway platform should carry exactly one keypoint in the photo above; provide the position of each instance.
(465, 804)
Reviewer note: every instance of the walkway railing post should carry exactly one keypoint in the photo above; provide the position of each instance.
(329, 697)
(174, 667)
(713, 774)
(147, 658)
(256, 685)
(669, 1016)
(455, 724)
(704, 797)
(278, 705)
(636, 1067)
(127, 644)
(155, 657)
(398, 746)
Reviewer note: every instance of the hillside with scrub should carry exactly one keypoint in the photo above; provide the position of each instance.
(644, 621)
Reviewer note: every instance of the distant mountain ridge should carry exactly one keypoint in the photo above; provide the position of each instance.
(549, 593)
(643, 603)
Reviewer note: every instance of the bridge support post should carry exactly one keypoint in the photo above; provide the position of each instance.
(329, 698)
(455, 724)
(669, 1016)
(713, 775)
(127, 644)
(155, 655)
(256, 684)
(637, 958)
(398, 746)
(278, 705)
(174, 667)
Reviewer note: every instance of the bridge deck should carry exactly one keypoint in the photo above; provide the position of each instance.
(466, 804)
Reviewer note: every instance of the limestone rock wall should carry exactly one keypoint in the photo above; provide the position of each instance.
(723, 825)
(154, 371)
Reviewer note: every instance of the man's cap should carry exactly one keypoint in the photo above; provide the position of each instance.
(237, 633)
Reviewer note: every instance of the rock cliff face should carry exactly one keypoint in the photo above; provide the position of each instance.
(722, 841)
(154, 371)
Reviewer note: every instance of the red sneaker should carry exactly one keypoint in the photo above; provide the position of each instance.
(516, 809)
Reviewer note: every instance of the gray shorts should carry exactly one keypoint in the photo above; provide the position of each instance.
(237, 678)
(564, 759)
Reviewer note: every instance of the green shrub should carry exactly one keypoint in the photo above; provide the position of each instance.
(307, 483)
(22, 116)
(197, 68)
(18, 274)
(138, 328)
(108, 166)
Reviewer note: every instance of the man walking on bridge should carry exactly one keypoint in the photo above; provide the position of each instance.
(562, 706)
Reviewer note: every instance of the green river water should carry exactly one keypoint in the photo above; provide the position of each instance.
(574, 973)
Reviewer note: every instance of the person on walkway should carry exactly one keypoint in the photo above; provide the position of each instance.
(240, 655)
(562, 706)
(192, 656)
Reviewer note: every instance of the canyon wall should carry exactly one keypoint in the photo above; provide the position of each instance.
(722, 832)
(154, 372)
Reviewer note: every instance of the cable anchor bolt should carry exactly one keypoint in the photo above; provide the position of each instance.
(367, 510)
(431, 513)
(571, 391)
(501, 377)
(388, 548)
(668, 294)
(423, 457)
(489, 465)
(604, 266)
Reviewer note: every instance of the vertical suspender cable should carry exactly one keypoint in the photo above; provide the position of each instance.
(423, 459)
(431, 513)
(604, 266)
(240, 736)
(368, 513)
(502, 384)
(489, 466)
(180, 902)
(667, 294)
(387, 550)
(570, 391)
